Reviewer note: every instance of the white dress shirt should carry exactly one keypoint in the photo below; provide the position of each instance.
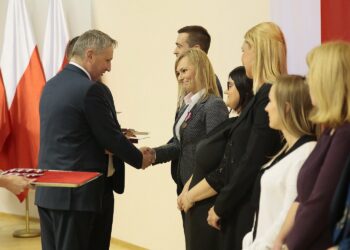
(80, 67)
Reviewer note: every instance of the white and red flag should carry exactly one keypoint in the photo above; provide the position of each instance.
(55, 41)
(307, 24)
(23, 81)
(5, 123)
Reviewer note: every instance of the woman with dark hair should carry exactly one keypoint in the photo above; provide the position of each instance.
(239, 89)
(250, 141)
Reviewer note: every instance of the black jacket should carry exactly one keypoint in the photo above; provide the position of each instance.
(251, 143)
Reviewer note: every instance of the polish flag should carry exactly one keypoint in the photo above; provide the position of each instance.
(307, 24)
(23, 80)
(5, 123)
(55, 41)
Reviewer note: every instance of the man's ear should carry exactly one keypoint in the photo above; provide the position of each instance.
(197, 46)
(89, 54)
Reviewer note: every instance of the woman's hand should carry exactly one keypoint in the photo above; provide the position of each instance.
(186, 202)
(179, 201)
(15, 184)
(278, 244)
(213, 219)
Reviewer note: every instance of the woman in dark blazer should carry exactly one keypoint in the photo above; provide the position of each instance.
(200, 110)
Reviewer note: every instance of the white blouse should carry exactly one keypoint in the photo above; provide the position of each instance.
(278, 192)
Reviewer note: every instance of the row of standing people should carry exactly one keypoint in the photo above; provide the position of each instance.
(261, 176)
(220, 159)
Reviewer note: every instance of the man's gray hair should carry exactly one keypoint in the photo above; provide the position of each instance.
(92, 39)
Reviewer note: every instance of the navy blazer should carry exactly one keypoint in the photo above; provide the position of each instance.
(77, 124)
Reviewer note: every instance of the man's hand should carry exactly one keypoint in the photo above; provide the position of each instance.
(15, 184)
(148, 156)
(213, 219)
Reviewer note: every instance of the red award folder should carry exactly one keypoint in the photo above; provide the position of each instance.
(55, 178)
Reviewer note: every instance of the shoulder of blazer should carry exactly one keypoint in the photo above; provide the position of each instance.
(222, 127)
(206, 102)
(71, 67)
(261, 94)
(211, 98)
(264, 90)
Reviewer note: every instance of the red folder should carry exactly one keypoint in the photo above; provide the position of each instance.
(55, 178)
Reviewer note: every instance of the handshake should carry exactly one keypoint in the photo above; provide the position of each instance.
(149, 156)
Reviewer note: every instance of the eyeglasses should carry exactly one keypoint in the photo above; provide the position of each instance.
(229, 85)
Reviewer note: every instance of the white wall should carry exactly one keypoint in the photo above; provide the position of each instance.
(144, 87)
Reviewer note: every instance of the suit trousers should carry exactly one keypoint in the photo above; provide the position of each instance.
(77, 230)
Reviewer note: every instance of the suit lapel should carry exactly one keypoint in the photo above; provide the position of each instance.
(194, 111)
(178, 115)
(109, 99)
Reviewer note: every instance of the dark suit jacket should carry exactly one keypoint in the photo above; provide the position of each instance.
(252, 142)
(209, 154)
(119, 174)
(206, 115)
(77, 124)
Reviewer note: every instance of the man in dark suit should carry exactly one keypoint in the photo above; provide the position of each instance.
(78, 125)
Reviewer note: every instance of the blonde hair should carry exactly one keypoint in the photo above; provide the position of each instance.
(268, 43)
(204, 74)
(329, 82)
(294, 104)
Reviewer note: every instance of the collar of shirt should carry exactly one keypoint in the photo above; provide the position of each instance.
(193, 98)
(80, 67)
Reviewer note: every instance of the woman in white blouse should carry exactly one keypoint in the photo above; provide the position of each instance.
(275, 188)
